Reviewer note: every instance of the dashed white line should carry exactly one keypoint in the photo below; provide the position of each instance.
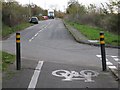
(106, 59)
(35, 76)
(39, 32)
(93, 41)
(31, 39)
(112, 67)
(109, 64)
(114, 56)
(116, 59)
(98, 56)
(36, 34)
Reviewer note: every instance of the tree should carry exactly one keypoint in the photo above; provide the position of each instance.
(13, 13)
(106, 17)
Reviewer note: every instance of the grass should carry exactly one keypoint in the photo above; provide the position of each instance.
(92, 33)
(7, 59)
(6, 30)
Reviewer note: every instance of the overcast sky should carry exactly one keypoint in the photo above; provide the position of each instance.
(59, 4)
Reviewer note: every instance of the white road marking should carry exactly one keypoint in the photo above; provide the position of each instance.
(116, 59)
(109, 64)
(114, 56)
(98, 56)
(106, 60)
(85, 75)
(112, 67)
(93, 41)
(31, 39)
(36, 34)
(39, 32)
(35, 76)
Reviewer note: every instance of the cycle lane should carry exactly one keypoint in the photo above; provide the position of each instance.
(19, 79)
(41, 74)
(56, 75)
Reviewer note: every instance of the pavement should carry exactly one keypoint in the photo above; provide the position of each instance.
(84, 40)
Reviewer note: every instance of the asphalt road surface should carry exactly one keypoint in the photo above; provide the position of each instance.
(47, 48)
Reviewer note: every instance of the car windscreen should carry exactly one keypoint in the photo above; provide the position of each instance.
(33, 19)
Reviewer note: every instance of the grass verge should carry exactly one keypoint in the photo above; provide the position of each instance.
(6, 30)
(92, 33)
(7, 59)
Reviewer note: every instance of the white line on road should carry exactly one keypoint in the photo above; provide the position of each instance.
(39, 32)
(109, 64)
(35, 76)
(93, 41)
(36, 34)
(31, 39)
(112, 67)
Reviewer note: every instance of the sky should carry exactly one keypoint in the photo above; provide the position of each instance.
(59, 4)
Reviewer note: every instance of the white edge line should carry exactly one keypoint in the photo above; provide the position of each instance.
(35, 76)
(109, 63)
(114, 56)
(98, 56)
(116, 59)
(112, 67)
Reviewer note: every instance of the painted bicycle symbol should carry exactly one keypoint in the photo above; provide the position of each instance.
(85, 75)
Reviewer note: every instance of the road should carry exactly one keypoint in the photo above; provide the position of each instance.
(47, 47)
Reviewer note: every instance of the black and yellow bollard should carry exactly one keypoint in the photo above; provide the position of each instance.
(18, 54)
(103, 54)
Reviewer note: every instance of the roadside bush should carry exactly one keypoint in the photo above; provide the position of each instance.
(13, 13)
(99, 17)
(110, 23)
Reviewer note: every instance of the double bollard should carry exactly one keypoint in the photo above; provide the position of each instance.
(102, 44)
(18, 54)
(103, 54)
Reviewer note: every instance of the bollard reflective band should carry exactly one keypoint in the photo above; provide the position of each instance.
(18, 41)
(102, 42)
(101, 36)
(17, 37)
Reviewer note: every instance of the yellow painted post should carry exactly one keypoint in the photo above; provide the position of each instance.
(18, 55)
(103, 55)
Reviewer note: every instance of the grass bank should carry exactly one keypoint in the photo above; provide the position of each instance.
(7, 59)
(6, 30)
(92, 33)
